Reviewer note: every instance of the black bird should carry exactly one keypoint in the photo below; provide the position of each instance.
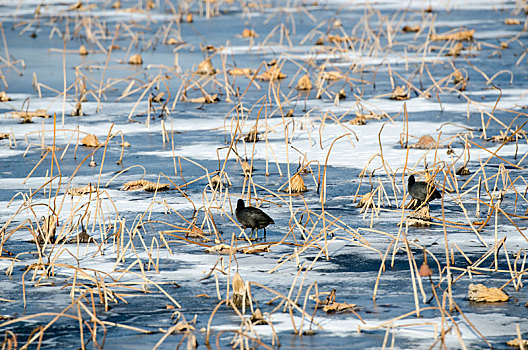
(422, 191)
(252, 217)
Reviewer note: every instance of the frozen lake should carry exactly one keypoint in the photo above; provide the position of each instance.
(101, 95)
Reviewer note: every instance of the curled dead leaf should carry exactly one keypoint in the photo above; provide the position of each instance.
(4, 97)
(26, 116)
(462, 35)
(144, 185)
(517, 344)
(219, 249)
(240, 71)
(358, 120)
(463, 171)
(135, 59)
(297, 185)
(257, 318)
(304, 83)
(206, 67)
(339, 307)
(400, 93)
(83, 51)
(90, 140)
(78, 191)
(411, 28)
(481, 293)
(273, 73)
(512, 21)
(425, 142)
(249, 33)
(255, 249)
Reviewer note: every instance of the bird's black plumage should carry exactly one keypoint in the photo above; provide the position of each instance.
(422, 191)
(252, 217)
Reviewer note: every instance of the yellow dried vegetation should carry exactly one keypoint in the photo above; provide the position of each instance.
(144, 185)
(481, 293)
(463, 35)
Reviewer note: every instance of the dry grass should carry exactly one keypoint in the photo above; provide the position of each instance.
(85, 215)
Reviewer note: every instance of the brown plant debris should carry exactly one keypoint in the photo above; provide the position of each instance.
(411, 28)
(512, 21)
(504, 137)
(462, 35)
(366, 201)
(46, 231)
(517, 344)
(257, 318)
(255, 249)
(249, 33)
(135, 59)
(246, 168)
(358, 120)
(80, 7)
(455, 49)
(241, 71)
(459, 79)
(82, 237)
(339, 307)
(400, 93)
(219, 249)
(144, 185)
(4, 97)
(421, 218)
(272, 73)
(304, 83)
(188, 18)
(463, 171)
(481, 293)
(90, 140)
(297, 185)
(26, 116)
(4, 135)
(79, 191)
(203, 99)
(332, 75)
(173, 41)
(239, 291)
(253, 135)
(425, 142)
(83, 51)
(206, 67)
(117, 4)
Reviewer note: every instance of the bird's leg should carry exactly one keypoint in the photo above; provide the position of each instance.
(264, 233)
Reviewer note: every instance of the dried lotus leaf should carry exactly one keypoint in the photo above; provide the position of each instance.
(297, 185)
(249, 33)
(4, 97)
(339, 307)
(411, 28)
(512, 21)
(304, 83)
(255, 249)
(399, 94)
(240, 71)
(78, 191)
(203, 99)
(135, 59)
(481, 293)
(332, 75)
(83, 51)
(466, 35)
(425, 142)
(219, 249)
(206, 68)
(90, 140)
(517, 344)
(273, 73)
(145, 185)
(27, 115)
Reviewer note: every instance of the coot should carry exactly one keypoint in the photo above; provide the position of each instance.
(252, 217)
(422, 191)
